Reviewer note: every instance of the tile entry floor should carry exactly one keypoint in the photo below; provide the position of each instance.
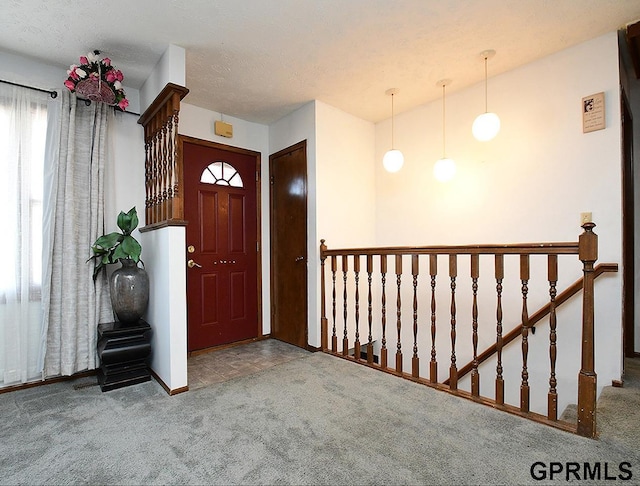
(234, 362)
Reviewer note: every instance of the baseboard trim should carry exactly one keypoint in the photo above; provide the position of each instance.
(48, 381)
(166, 388)
(313, 349)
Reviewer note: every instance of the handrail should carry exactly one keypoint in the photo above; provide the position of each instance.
(544, 311)
(562, 248)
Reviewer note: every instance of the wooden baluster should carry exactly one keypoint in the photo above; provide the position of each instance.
(334, 269)
(147, 177)
(356, 270)
(399, 314)
(383, 350)
(524, 387)
(415, 361)
(499, 271)
(453, 370)
(164, 173)
(345, 338)
(170, 162)
(177, 204)
(158, 169)
(475, 375)
(370, 310)
(324, 338)
(552, 399)
(154, 171)
(587, 378)
(433, 364)
(156, 176)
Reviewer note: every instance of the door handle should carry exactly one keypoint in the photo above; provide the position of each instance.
(299, 258)
(192, 264)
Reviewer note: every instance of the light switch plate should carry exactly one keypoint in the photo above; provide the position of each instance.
(585, 218)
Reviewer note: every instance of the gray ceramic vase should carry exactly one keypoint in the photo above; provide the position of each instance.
(129, 286)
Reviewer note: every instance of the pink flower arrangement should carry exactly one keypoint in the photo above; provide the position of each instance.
(97, 80)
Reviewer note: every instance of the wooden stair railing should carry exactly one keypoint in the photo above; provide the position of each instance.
(543, 312)
(163, 164)
(344, 323)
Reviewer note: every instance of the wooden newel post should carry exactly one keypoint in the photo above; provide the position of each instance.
(324, 339)
(587, 379)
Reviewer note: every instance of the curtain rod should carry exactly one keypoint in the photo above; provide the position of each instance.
(88, 103)
(54, 94)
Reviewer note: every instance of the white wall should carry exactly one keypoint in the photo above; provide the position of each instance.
(529, 184)
(198, 122)
(171, 68)
(345, 175)
(165, 256)
(26, 71)
(124, 176)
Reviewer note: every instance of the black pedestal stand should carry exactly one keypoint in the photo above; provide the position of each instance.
(123, 350)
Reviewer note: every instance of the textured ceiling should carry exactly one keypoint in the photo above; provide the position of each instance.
(261, 59)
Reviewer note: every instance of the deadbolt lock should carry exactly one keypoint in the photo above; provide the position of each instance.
(191, 248)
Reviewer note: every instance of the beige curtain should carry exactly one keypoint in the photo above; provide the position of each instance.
(74, 218)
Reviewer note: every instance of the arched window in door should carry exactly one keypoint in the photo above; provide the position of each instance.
(222, 174)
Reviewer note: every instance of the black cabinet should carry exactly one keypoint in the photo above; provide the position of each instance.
(123, 350)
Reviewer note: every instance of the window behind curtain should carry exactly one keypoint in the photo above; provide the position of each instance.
(23, 125)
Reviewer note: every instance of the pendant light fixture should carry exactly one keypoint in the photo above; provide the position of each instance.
(393, 159)
(445, 168)
(486, 126)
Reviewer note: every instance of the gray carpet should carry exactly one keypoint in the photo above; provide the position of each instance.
(314, 420)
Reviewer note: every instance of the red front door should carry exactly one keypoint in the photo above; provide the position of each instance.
(222, 243)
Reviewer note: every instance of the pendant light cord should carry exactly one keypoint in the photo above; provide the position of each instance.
(444, 156)
(486, 109)
(392, 121)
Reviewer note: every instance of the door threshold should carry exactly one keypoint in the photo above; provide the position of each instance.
(228, 345)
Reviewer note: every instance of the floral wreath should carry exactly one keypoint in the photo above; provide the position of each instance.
(97, 80)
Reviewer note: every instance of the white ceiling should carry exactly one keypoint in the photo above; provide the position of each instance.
(261, 59)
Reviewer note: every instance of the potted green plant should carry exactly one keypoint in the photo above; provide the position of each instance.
(129, 284)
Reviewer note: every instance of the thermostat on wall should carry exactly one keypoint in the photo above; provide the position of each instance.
(593, 113)
(223, 129)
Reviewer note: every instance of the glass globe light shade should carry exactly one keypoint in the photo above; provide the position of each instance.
(486, 126)
(393, 160)
(444, 170)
